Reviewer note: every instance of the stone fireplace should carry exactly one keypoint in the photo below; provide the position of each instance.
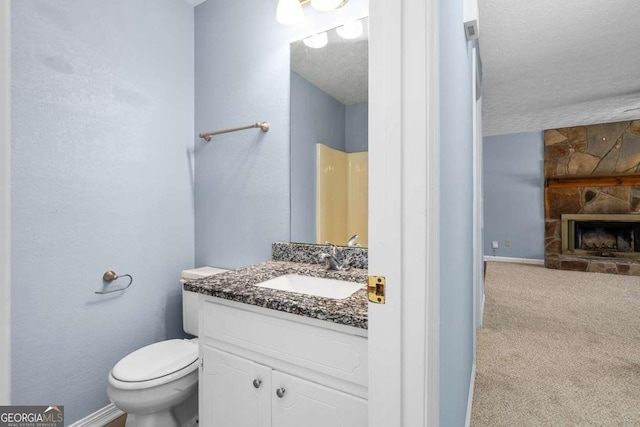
(592, 198)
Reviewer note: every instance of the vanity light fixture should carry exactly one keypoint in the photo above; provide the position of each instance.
(350, 30)
(316, 41)
(289, 12)
(327, 5)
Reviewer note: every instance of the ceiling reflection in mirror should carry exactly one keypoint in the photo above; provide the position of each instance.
(329, 137)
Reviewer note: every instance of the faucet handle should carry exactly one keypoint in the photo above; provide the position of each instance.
(352, 242)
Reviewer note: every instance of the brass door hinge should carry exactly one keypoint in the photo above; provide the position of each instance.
(376, 289)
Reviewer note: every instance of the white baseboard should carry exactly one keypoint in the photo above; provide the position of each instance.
(472, 384)
(100, 417)
(532, 261)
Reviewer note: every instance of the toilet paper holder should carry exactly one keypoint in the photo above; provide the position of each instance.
(109, 276)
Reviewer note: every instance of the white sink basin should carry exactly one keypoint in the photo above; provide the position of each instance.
(327, 288)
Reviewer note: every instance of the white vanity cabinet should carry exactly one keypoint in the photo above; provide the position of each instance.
(264, 368)
(233, 391)
(298, 402)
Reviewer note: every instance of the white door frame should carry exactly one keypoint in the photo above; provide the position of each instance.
(478, 203)
(5, 172)
(404, 212)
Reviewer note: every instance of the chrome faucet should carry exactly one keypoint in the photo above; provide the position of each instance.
(334, 259)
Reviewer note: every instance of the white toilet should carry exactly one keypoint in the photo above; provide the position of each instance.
(157, 385)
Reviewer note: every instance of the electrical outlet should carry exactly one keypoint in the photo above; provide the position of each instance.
(495, 244)
(507, 243)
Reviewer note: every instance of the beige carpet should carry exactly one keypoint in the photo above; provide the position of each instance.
(558, 348)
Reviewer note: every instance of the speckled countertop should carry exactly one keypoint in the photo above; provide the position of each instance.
(237, 285)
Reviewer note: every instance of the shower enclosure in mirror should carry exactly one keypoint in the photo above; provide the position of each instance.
(329, 136)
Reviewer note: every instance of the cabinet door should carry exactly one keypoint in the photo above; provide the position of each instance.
(233, 391)
(303, 403)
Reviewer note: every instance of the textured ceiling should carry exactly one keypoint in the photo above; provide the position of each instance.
(339, 69)
(556, 63)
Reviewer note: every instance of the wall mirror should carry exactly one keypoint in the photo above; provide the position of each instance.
(329, 136)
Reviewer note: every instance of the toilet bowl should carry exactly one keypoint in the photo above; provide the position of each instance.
(150, 382)
(157, 385)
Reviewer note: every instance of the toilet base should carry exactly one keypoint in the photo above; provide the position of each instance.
(157, 419)
(182, 415)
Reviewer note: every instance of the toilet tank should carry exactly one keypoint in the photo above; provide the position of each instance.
(190, 299)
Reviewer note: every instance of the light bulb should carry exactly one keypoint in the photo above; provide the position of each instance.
(350, 30)
(326, 5)
(289, 12)
(316, 41)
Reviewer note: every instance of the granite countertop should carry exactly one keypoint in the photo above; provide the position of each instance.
(237, 285)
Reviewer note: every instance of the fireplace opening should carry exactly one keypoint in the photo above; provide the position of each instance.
(601, 235)
(606, 236)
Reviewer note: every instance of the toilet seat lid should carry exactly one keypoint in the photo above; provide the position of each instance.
(156, 361)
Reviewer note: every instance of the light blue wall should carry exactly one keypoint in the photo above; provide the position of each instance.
(242, 178)
(514, 194)
(315, 117)
(242, 76)
(102, 118)
(456, 214)
(5, 211)
(357, 127)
